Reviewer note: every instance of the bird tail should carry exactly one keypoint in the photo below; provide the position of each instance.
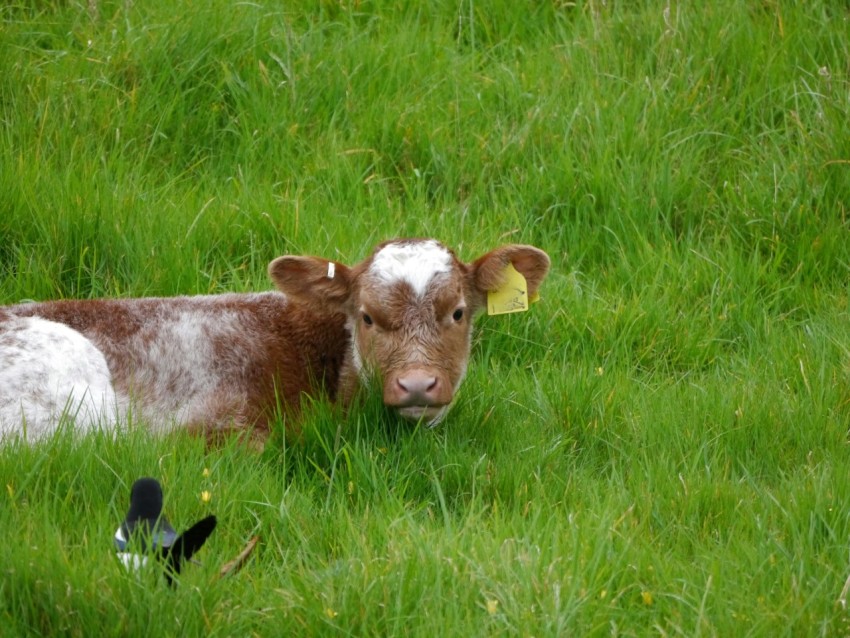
(185, 546)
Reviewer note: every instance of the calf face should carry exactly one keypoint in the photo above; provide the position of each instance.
(409, 310)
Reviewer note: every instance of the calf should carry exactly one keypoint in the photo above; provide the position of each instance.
(208, 363)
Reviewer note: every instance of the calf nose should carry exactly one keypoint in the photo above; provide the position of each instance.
(418, 387)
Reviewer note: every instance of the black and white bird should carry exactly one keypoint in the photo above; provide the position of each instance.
(146, 532)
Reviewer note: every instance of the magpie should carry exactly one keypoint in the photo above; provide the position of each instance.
(146, 532)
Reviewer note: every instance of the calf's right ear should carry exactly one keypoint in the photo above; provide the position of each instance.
(312, 280)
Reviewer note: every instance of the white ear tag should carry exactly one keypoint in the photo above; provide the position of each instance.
(331, 269)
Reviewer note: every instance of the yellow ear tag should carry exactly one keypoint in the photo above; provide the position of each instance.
(511, 297)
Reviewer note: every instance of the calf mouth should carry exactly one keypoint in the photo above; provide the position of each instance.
(428, 415)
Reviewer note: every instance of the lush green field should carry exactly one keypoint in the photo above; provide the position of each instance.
(659, 447)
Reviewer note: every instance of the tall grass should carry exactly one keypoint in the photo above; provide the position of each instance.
(659, 446)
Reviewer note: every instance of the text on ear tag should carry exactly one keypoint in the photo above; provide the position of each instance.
(511, 297)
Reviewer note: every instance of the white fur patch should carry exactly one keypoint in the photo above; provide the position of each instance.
(356, 357)
(417, 263)
(177, 378)
(48, 370)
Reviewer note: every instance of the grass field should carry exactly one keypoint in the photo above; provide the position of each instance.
(660, 447)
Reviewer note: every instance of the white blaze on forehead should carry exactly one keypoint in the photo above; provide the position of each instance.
(416, 263)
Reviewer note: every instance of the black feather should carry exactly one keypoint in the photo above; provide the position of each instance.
(185, 546)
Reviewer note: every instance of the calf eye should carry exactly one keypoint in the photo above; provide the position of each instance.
(458, 314)
(367, 319)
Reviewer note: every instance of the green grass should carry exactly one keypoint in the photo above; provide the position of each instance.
(659, 447)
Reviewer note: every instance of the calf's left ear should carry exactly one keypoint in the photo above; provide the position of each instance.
(489, 270)
(312, 280)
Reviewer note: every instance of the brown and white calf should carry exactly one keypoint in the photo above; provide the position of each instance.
(220, 362)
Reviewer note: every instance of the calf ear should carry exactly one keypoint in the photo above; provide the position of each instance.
(312, 280)
(489, 270)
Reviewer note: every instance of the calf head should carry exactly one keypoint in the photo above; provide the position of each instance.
(409, 310)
